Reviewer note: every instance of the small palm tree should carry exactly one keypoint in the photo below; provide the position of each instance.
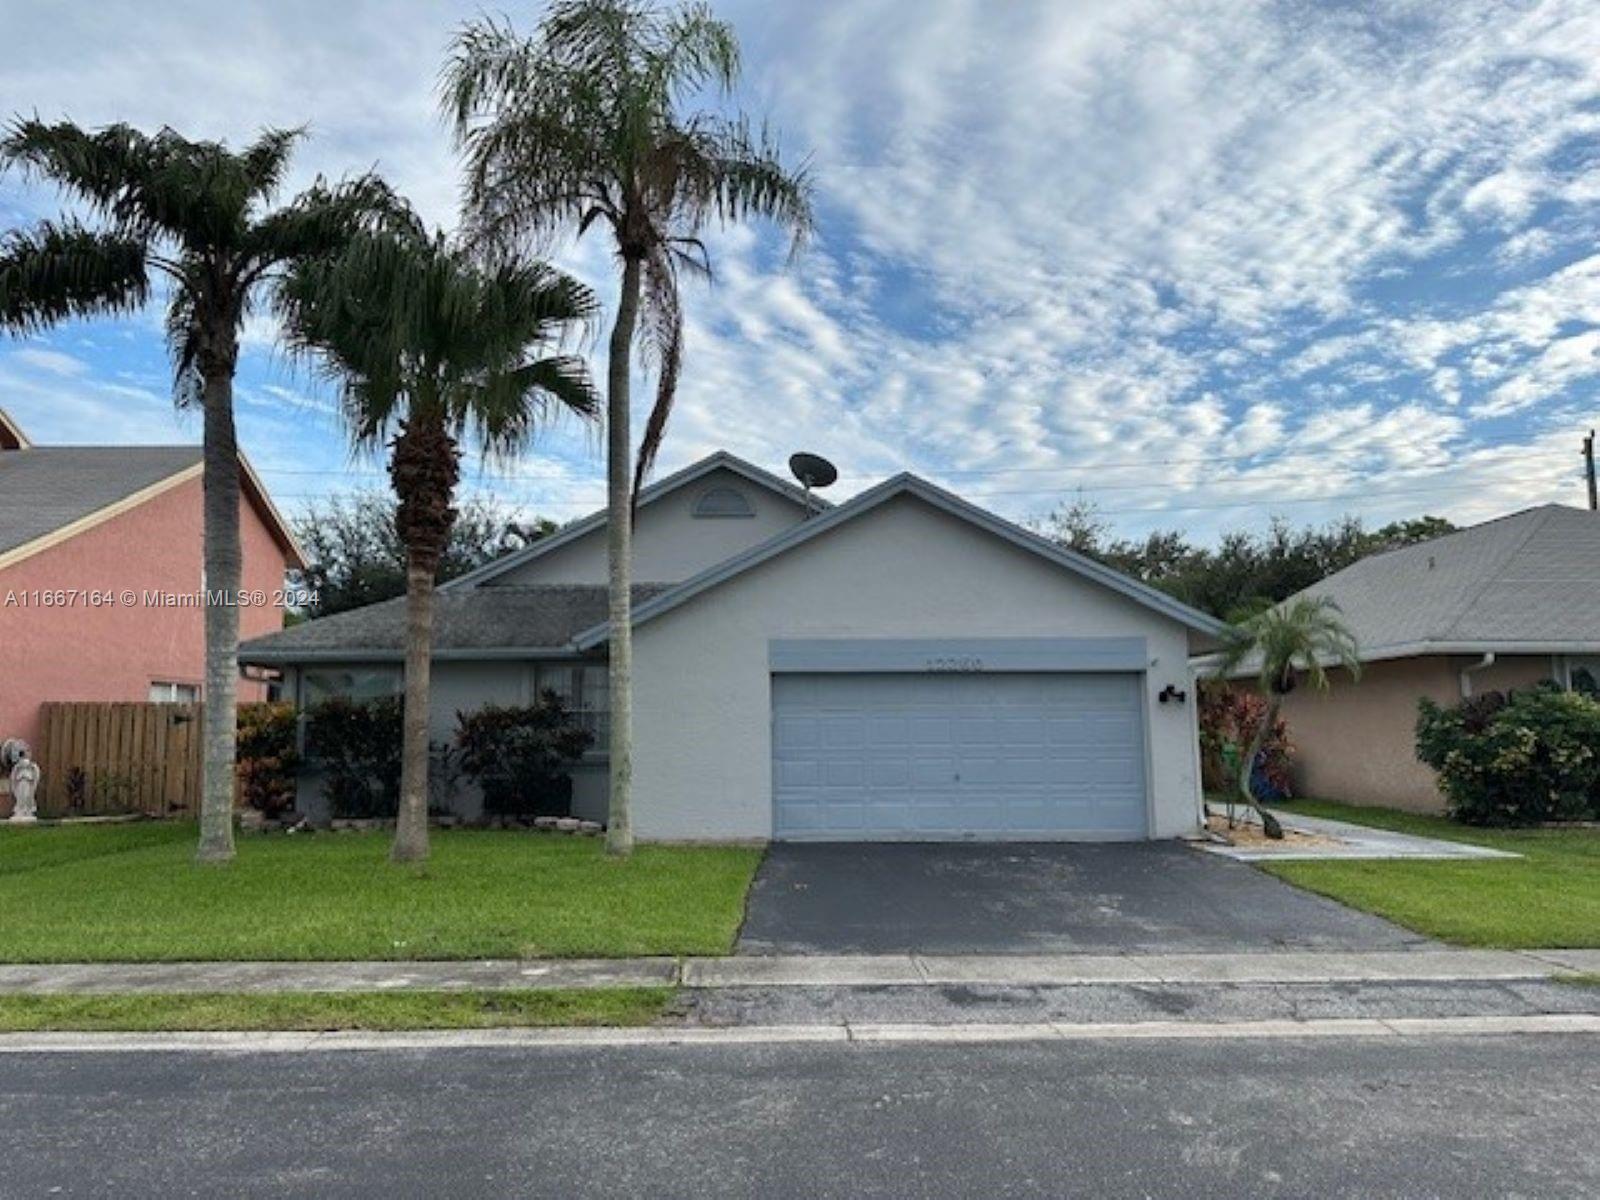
(583, 124)
(198, 217)
(426, 347)
(1301, 637)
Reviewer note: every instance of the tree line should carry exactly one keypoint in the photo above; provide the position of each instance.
(1247, 569)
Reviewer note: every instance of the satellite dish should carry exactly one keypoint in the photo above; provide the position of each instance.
(813, 470)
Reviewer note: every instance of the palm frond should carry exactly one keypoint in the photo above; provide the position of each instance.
(61, 270)
(1303, 635)
(410, 327)
(97, 167)
(184, 331)
(321, 220)
(265, 161)
(582, 125)
(663, 334)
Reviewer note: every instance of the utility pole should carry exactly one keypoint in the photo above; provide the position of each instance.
(1588, 466)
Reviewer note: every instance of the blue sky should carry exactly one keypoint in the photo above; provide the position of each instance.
(1196, 262)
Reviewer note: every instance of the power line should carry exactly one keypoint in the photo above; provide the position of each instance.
(1071, 468)
(1263, 502)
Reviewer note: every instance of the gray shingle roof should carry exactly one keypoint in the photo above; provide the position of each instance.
(45, 488)
(496, 619)
(1530, 578)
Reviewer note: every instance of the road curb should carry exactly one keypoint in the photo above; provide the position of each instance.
(846, 1033)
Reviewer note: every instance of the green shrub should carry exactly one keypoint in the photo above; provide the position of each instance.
(357, 746)
(522, 757)
(267, 757)
(1515, 759)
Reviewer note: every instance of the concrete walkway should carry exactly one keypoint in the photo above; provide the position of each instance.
(1351, 842)
(880, 970)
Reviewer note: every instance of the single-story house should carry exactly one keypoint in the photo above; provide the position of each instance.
(1500, 605)
(904, 665)
(101, 562)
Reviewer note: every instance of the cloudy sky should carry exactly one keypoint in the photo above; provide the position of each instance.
(1196, 261)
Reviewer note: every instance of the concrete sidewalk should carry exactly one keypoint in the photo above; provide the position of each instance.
(798, 971)
(1349, 841)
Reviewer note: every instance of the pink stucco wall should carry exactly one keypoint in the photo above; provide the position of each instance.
(1357, 741)
(115, 651)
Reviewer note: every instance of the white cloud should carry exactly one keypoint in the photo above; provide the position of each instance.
(49, 362)
(1058, 245)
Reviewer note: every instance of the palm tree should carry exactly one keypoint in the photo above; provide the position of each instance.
(1300, 637)
(583, 124)
(199, 218)
(427, 347)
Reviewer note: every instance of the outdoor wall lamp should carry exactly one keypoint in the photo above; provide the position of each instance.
(1171, 695)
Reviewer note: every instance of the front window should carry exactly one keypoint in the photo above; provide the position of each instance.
(1583, 675)
(359, 684)
(584, 688)
(174, 693)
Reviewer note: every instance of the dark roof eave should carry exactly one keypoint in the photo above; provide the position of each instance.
(389, 654)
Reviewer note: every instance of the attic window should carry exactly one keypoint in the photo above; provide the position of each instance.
(723, 502)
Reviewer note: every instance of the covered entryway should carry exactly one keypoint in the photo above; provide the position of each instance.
(981, 756)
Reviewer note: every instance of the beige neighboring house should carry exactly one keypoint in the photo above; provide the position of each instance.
(1500, 605)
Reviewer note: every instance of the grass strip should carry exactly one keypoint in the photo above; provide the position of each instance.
(1549, 898)
(326, 1011)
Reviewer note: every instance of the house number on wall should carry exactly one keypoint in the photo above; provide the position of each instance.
(954, 663)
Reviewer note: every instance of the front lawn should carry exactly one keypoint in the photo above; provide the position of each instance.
(319, 1011)
(1548, 898)
(131, 893)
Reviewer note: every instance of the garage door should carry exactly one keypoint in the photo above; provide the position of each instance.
(996, 756)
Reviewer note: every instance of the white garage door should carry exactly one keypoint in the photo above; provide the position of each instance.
(996, 756)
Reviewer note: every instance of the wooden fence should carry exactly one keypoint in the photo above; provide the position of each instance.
(100, 758)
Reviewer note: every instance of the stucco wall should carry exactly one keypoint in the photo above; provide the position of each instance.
(1357, 741)
(670, 543)
(115, 651)
(702, 722)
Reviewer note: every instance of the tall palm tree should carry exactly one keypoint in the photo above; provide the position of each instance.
(583, 124)
(1300, 637)
(426, 347)
(198, 218)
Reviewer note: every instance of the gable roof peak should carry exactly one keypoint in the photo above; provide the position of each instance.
(665, 486)
(906, 483)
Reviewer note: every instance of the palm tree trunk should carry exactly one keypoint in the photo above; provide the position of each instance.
(424, 466)
(223, 567)
(411, 824)
(619, 544)
(1247, 769)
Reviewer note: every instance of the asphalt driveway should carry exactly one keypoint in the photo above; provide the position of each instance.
(1055, 898)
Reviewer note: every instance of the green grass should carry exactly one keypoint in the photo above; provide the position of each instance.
(1550, 897)
(315, 1011)
(132, 893)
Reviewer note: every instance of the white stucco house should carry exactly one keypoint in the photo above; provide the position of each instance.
(901, 666)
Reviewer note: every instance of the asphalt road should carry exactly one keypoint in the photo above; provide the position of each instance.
(1502, 1116)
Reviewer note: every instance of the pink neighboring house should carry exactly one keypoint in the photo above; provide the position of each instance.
(100, 570)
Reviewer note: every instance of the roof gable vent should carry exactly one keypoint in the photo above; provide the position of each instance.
(723, 502)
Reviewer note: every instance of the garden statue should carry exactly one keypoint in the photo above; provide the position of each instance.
(24, 787)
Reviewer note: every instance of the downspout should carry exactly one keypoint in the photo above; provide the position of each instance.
(1483, 664)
